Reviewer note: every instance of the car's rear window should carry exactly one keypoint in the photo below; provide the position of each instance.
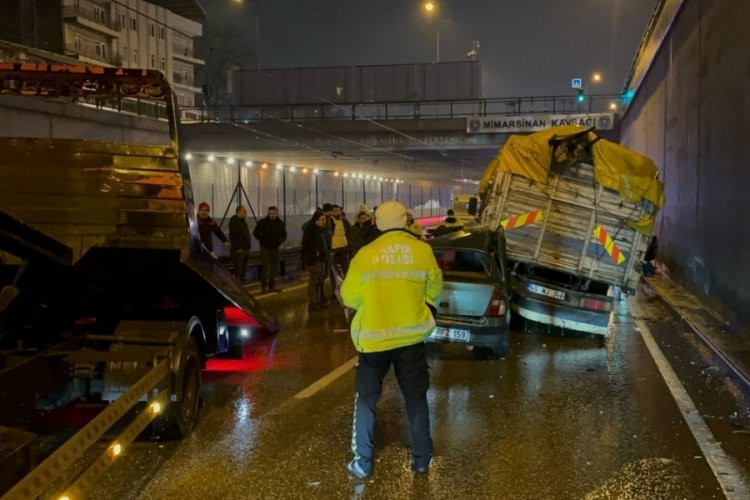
(463, 262)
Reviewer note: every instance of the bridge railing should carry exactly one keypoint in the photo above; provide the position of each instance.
(553, 105)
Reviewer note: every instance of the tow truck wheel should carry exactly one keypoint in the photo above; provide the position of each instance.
(180, 418)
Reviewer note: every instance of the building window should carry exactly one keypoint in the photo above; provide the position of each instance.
(77, 41)
(162, 33)
(99, 14)
(123, 21)
(152, 61)
(133, 24)
(162, 64)
(135, 56)
(100, 50)
(151, 29)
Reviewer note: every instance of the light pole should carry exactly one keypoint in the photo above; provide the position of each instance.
(257, 33)
(431, 9)
(257, 29)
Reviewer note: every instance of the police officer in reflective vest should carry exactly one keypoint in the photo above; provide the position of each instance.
(389, 283)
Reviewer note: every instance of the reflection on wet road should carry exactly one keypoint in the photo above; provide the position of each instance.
(560, 417)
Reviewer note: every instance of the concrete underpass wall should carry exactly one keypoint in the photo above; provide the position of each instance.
(691, 115)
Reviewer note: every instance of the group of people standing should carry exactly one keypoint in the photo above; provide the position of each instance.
(327, 231)
(270, 231)
(330, 232)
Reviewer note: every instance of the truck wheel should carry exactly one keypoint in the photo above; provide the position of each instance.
(180, 417)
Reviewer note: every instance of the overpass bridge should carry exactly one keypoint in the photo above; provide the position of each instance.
(441, 141)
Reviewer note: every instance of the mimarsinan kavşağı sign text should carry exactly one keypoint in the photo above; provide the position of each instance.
(533, 123)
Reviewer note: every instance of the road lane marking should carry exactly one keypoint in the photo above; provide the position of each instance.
(726, 472)
(326, 380)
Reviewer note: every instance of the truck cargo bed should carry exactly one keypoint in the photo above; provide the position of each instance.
(572, 205)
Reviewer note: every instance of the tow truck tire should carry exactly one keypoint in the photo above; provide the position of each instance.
(179, 420)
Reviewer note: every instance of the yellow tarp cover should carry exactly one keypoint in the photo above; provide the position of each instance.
(616, 167)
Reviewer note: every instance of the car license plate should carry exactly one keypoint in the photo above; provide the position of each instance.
(555, 294)
(450, 334)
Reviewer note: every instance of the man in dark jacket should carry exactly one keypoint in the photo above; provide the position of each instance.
(359, 234)
(207, 228)
(239, 236)
(316, 243)
(271, 233)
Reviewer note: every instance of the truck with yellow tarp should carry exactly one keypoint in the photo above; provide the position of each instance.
(578, 212)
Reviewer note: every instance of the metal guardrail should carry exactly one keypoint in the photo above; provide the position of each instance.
(554, 105)
(43, 476)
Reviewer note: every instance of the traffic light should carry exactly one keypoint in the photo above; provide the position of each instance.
(581, 96)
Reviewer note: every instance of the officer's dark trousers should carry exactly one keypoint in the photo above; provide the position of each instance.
(410, 365)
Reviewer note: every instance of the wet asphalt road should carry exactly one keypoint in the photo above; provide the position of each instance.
(559, 417)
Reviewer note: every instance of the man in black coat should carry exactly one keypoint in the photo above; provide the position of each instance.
(359, 234)
(239, 237)
(316, 244)
(207, 228)
(271, 233)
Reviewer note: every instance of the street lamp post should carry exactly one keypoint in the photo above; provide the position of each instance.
(257, 33)
(431, 9)
(257, 29)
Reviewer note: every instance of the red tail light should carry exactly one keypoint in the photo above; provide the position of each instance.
(597, 305)
(237, 317)
(497, 304)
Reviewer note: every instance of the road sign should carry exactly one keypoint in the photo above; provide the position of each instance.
(576, 83)
(501, 124)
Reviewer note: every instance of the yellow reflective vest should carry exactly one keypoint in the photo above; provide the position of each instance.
(389, 283)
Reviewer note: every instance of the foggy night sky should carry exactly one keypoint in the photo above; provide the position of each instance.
(528, 47)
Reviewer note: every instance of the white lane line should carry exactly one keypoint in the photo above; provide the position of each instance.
(727, 474)
(326, 380)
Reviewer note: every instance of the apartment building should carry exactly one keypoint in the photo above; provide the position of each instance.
(155, 34)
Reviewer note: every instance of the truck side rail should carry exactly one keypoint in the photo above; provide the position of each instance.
(46, 473)
(571, 205)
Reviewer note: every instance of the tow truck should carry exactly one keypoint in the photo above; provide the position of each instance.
(108, 299)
